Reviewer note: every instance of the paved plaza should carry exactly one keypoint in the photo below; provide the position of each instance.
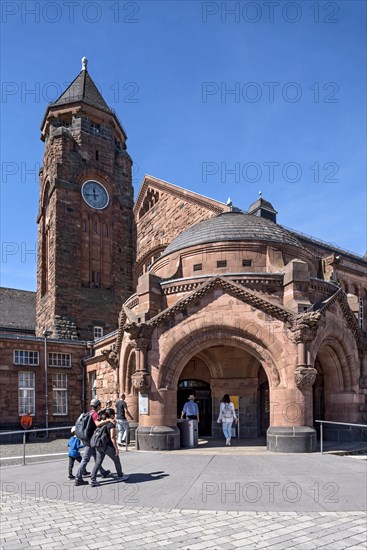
(218, 498)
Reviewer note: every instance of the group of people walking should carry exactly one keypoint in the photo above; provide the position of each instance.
(116, 430)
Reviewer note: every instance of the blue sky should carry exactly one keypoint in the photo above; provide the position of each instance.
(222, 98)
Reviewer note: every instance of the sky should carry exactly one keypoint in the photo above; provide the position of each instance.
(222, 98)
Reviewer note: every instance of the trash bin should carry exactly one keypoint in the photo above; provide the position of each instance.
(188, 433)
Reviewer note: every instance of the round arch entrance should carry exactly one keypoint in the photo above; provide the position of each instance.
(333, 389)
(226, 368)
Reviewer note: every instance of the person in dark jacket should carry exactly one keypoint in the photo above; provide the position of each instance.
(110, 449)
(122, 424)
(88, 450)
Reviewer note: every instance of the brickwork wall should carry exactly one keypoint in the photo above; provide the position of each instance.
(9, 399)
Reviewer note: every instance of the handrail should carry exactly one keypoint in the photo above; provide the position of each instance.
(34, 430)
(321, 422)
(37, 430)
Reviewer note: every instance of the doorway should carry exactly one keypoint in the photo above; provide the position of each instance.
(203, 398)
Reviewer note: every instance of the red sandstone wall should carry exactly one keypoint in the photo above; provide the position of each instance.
(168, 217)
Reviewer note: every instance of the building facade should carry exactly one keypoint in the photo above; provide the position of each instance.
(181, 294)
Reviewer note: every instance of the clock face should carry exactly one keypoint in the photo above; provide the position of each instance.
(95, 195)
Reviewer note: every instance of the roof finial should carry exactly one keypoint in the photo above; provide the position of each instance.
(84, 63)
(229, 204)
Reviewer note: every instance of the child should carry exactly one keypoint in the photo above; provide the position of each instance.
(74, 455)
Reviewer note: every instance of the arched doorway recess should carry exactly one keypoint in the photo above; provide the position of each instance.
(221, 369)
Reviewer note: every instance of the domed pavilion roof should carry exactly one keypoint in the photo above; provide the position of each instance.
(232, 226)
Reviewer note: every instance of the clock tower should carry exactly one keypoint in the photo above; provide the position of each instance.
(85, 218)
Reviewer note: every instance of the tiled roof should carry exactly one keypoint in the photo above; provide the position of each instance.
(83, 89)
(231, 226)
(17, 308)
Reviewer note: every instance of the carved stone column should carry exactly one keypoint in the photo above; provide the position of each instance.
(304, 331)
(292, 417)
(140, 338)
(157, 430)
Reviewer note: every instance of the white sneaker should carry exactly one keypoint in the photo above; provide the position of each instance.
(227, 441)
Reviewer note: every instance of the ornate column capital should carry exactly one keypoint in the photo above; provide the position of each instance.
(305, 377)
(140, 335)
(305, 326)
(141, 381)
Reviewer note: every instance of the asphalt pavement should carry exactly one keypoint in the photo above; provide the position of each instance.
(219, 498)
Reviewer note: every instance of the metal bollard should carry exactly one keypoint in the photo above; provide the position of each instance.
(321, 438)
(24, 437)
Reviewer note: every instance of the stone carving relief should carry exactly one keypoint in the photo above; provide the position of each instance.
(111, 357)
(140, 337)
(141, 381)
(305, 377)
(305, 326)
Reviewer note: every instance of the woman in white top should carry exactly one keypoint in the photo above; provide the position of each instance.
(227, 415)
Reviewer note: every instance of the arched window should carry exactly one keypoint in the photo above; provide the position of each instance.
(150, 200)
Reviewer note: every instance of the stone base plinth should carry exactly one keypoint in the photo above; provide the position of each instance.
(300, 439)
(157, 438)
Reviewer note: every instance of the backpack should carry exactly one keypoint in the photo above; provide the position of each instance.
(84, 427)
(227, 413)
(100, 437)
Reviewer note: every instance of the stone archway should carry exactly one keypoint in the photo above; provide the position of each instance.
(231, 363)
(201, 341)
(334, 387)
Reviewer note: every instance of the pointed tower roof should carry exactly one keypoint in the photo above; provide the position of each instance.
(83, 89)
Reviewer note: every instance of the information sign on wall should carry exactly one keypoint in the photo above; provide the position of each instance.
(143, 403)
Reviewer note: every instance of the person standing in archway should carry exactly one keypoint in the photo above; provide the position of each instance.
(227, 415)
(191, 409)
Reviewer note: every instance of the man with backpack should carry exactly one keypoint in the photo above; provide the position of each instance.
(104, 441)
(85, 426)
